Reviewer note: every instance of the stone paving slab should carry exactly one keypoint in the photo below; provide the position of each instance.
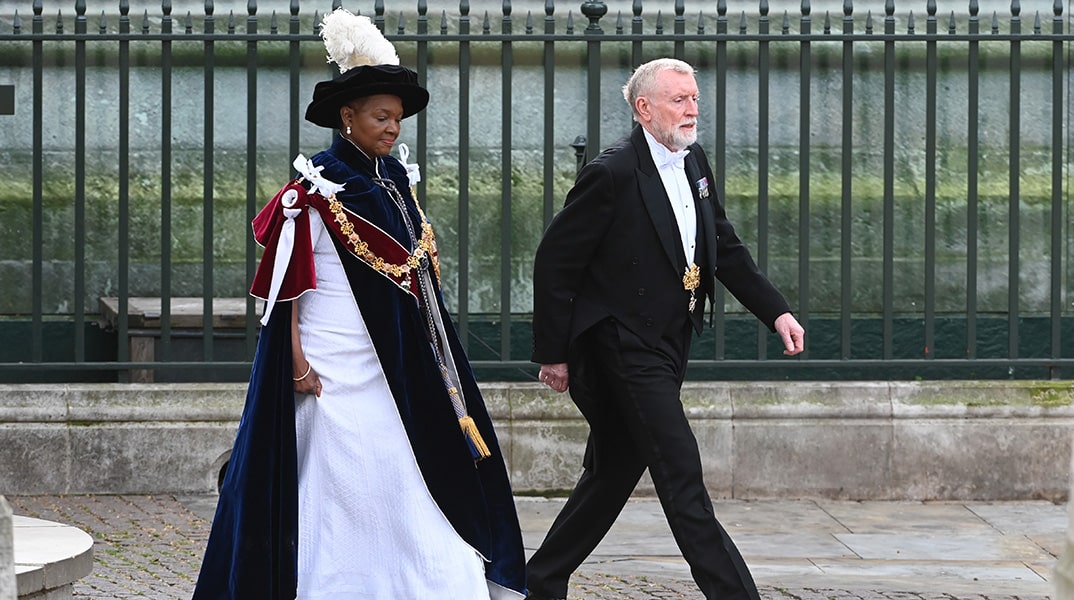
(942, 546)
(902, 517)
(1024, 517)
(778, 516)
(150, 547)
(952, 577)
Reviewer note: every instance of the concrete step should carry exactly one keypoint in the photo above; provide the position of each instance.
(49, 558)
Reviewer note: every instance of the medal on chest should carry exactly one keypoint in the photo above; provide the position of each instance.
(691, 278)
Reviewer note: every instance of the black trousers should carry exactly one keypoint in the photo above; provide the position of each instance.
(629, 393)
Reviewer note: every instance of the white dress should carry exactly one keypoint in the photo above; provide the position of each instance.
(368, 528)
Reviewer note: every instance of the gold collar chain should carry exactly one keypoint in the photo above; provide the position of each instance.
(426, 245)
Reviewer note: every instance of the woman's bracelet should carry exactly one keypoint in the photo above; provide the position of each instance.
(309, 367)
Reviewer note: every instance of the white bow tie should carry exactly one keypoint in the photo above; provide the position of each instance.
(674, 159)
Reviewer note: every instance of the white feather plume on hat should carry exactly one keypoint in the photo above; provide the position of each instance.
(353, 40)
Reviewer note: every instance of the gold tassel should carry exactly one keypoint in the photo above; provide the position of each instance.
(469, 429)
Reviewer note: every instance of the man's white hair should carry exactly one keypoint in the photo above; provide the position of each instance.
(643, 81)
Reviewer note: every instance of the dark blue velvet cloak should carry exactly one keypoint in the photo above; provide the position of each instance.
(252, 549)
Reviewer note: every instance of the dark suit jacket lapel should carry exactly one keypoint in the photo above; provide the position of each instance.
(655, 198)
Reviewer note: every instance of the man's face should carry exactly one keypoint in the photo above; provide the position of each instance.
(669, 110)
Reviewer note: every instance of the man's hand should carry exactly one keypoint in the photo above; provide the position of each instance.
(791, 332)
(555, 376)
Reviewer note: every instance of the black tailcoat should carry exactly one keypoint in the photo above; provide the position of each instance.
(614, 251)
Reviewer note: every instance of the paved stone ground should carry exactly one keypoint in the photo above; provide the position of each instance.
(151, 546)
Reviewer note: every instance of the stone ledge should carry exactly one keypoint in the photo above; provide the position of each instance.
(949, 440)
(49, 558)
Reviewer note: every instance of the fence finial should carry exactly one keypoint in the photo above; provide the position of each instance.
(594, 10)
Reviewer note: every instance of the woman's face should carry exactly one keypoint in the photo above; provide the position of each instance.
(374, 122)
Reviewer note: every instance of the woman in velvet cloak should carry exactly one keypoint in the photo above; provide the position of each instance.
(365, 464)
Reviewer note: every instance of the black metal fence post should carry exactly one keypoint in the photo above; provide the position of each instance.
(593, 10)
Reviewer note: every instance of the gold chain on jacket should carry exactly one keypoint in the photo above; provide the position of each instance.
(426, 245)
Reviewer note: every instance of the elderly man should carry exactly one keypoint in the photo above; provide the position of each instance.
(620, 278)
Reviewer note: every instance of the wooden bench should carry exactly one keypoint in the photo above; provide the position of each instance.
(187, 316)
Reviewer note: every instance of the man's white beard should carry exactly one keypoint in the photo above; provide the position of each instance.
(678, 138)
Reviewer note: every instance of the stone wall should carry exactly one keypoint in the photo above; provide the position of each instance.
(952, 440)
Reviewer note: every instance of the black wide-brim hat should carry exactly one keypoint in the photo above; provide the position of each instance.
(365, 80)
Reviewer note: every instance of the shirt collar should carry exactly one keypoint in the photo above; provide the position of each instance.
(661, 155)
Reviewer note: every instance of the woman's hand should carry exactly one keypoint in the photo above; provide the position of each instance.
(306, 379)
(309, 383)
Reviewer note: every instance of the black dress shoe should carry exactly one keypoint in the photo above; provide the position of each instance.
(532, 597)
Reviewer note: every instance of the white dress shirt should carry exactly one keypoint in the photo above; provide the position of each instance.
(673, 174)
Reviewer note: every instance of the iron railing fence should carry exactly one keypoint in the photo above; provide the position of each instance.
(904, 186)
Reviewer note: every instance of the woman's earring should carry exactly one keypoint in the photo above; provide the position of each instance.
(348, 129)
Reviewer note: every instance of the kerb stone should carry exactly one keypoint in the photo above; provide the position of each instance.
(8, 586)
(1064, 569)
